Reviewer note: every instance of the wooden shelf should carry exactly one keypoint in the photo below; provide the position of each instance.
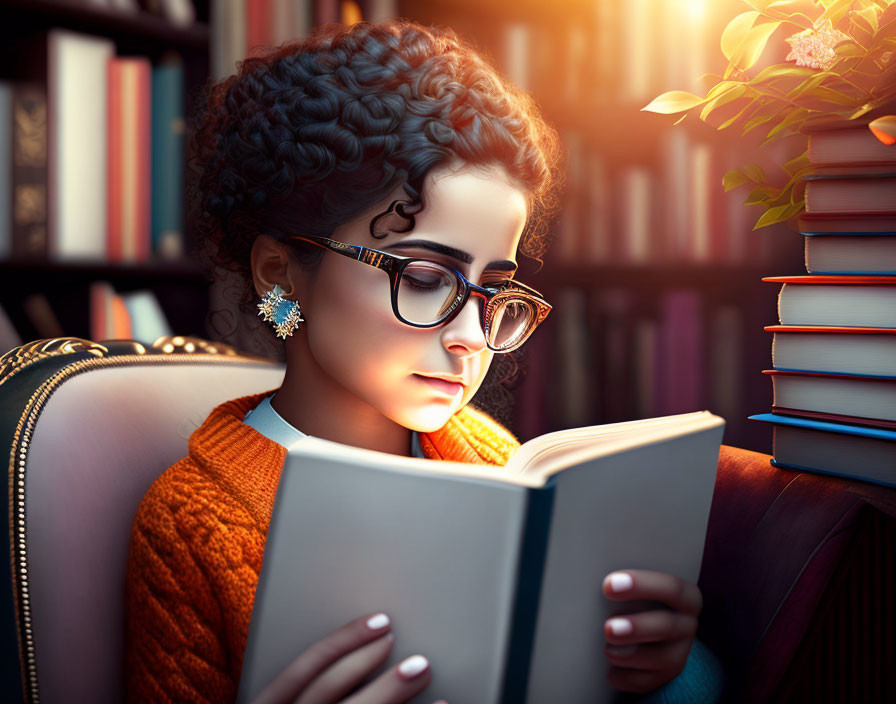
(108, 22)
(13, 273)
(650, 277)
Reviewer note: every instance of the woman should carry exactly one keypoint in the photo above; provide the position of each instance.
(399, 147)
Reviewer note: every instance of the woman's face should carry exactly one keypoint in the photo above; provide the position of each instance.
(353, 335)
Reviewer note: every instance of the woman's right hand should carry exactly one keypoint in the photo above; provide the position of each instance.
(335, 665)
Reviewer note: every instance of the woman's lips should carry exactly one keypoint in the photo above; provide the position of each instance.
(449, 388)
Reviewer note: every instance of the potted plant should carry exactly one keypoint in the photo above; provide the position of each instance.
(841, 67)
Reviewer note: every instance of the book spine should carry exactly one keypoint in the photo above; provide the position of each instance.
(143, 161)
(114, 244)
(167, 147)
(29, 171)
(529, 579)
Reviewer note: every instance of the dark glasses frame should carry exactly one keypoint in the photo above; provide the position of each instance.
(395, 264)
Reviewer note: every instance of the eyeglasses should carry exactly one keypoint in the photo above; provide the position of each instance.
(426, 294)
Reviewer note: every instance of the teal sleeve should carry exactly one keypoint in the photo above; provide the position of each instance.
(702, 681)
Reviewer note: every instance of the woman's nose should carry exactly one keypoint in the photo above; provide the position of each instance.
(464, 335)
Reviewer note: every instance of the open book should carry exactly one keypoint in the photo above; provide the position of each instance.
(493, 573)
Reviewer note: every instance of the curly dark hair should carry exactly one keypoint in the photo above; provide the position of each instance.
(318, 131)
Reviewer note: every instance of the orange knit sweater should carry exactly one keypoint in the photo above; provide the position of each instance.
(197, 544)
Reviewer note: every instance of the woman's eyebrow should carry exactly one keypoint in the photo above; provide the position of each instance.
(454, 253)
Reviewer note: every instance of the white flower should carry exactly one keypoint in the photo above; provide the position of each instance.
(815, 47)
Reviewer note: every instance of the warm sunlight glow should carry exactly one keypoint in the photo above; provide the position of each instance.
(695, 10)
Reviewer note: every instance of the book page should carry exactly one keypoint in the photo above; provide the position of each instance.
(549, 453)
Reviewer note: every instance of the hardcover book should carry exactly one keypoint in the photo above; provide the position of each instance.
(839, 350)
(494, 573)
(841, 449)
(862, 301)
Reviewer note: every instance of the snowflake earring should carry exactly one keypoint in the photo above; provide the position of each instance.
(285, 315)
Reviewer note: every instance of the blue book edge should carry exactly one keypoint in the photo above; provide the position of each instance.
(826, 426)
(853, 477)
(530, 575)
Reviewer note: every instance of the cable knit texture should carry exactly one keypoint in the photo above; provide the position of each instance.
(197, 544)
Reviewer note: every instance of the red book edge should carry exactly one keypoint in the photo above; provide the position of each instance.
(867, 215)
(834, 417)
(258, 27)
(831, 279)
(829, 328)
(113, 161)
(144, 160)
(121, 328)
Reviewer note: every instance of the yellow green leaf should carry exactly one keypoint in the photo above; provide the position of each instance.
(719, 88)
(780, 70)
(809, 84)
(750, 50)
(758, 4)
(731, 120)
(734, 179)
(868, 15)
(732, 94)
(829, 95)
(849, 50)
(834, 10)
(760, 195)
(795, 116)
(674, 101)
(862, 110)
(754, 122)
(797, 163)
(771, 216)
(736, 32)
(680, 119)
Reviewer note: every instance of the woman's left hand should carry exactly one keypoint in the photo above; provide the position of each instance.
(649, 648)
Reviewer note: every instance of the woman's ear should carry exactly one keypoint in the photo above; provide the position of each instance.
(271, 264)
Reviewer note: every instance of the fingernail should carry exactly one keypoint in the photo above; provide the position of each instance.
(413, 666)
(620, 581)
(620, 626)
(377, 621)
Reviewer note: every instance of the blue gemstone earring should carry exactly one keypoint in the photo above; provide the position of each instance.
(285, 315)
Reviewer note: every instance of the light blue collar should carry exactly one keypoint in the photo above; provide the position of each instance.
(273, 426)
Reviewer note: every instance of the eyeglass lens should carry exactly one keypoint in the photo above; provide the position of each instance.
(426, 292)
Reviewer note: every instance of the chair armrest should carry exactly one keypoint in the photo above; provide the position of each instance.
(774, 539)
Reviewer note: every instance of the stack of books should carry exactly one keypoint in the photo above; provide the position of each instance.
(834, 349)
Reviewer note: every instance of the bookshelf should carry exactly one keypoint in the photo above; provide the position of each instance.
(653, 252)
(621, 282)
(174, 279)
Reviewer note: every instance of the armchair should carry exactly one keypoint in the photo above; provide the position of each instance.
(798, 570)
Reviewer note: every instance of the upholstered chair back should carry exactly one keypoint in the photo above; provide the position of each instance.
(90, 426)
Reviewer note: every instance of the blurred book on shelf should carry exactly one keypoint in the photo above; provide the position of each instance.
(129, 160)
(77, 139)
(167, 145)
(42, 316)
(244, 28)
(133, 315)
(23, 143)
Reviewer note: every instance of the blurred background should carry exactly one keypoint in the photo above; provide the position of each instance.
(654, 273)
